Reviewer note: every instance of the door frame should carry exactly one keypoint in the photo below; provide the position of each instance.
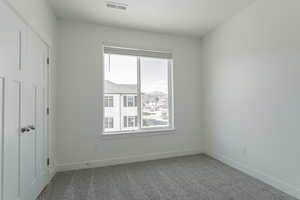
(47, 105)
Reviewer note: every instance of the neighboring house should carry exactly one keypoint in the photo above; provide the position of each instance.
(120, 104)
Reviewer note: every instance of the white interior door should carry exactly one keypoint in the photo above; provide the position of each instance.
(23, 99)
(10, 52)
(33, 140)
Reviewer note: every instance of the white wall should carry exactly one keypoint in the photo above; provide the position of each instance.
(79, 98)
(38, 15)
(253, 96)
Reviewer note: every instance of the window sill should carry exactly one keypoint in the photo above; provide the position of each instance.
(140, 133)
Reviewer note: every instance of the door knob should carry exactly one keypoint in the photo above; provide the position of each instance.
(24, 130)
(31, 127)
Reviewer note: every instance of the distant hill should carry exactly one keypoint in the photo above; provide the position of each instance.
(156, 93)
(153, 96)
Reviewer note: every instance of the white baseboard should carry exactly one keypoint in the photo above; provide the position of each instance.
(123, 160)
(287, 188)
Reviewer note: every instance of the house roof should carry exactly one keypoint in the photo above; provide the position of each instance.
(115, 88)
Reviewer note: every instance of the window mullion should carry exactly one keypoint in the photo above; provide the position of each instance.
(139, 103)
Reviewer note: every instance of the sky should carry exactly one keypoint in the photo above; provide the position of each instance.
(123, 70)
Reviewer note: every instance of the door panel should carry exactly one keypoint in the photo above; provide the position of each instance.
(11, 140)
(37, 59)
(28, 138)
(41, 119)
(41, 137)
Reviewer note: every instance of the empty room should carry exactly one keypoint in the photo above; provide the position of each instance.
(150, 100)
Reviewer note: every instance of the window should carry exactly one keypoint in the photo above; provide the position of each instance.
(130, 101)
(108, 101)
(130, 121)
(108, 122)
(138, 88)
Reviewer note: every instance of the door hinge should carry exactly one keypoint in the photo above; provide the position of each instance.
(48, 61)
(48, 111)
(48, 161)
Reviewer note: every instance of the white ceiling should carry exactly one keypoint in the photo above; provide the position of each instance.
(180, 17)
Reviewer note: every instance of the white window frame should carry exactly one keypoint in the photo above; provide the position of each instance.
(143, 53)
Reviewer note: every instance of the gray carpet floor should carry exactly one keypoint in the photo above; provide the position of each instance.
(184, 178)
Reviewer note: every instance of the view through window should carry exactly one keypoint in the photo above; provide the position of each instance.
(137, 91)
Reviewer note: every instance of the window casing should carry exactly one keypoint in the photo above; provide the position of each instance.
(152, 113)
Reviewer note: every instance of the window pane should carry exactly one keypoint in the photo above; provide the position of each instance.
(154, 89)
(111, 123)
(131, 121)
(105, 122)
(120, 87)
(105, 101)
(111, 101)
(130, 101)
